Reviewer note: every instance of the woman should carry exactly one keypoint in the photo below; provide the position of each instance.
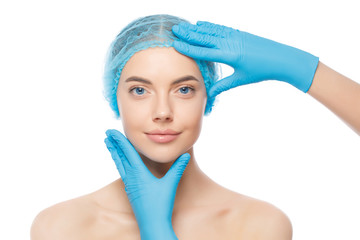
(161, 86)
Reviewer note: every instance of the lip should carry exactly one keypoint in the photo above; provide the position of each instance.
(163, 132)
(163, 136)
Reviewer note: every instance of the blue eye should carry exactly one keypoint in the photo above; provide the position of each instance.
(138, 90)
(185, 90)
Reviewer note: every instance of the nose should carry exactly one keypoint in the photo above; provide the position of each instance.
(162, 110)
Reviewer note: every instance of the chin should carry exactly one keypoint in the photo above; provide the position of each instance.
(167, 156)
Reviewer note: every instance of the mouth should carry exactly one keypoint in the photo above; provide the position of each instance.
(162, 136)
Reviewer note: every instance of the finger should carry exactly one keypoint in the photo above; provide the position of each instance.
(126, 147)
(115, 157)
(177, 169)
(195, 38)
(203, 28)
(188, 26)
(120, 152)
(212, 28)
(202, 53)
(227, 83)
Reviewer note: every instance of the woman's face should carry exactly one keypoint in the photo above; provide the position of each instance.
(160, 89)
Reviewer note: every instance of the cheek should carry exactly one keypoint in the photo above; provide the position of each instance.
(197, 105)
(132, 116)
(191, 113)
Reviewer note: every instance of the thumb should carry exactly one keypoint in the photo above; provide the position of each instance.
(177, 169)
(234, 80)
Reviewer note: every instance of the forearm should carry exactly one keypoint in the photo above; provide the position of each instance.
(338, 93)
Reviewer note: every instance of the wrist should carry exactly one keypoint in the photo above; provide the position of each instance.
(298, 68)
(157, 231)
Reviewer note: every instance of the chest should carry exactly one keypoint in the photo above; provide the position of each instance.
(210, 224)
(194, 225)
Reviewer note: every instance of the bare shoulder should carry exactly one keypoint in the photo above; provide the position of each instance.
(64, 220)
(262, 220)
(98, 215)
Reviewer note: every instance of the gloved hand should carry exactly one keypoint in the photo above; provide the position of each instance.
(152, 199)
(253, 58)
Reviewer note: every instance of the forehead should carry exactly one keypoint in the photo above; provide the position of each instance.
(160, 63)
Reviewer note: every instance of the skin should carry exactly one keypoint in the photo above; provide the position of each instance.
(161, 105)
(203, 209)
(338, 93)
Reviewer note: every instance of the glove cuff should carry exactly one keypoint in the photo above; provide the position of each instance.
(300, 68)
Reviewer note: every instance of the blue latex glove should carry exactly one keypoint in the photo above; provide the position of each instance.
(152, 199)
(253, 58)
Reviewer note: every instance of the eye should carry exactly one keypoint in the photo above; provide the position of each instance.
(138, 90)
(186, 90)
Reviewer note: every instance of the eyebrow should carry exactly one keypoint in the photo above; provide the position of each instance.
(146, 81)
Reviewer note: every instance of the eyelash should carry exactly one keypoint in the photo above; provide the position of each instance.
(190, 88)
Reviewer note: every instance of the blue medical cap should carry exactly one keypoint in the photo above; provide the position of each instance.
(140, 34)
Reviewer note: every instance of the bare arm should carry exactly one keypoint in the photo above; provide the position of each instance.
(339, 94)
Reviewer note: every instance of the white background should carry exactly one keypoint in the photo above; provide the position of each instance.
(266, 140)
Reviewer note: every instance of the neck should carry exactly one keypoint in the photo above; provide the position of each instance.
(190, 192)
(191, 185)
